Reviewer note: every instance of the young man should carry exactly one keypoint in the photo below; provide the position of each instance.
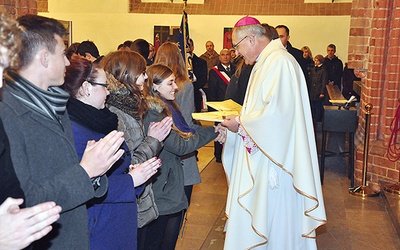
(275, 197)
(334, 67)
(18, 226)
(42, 150)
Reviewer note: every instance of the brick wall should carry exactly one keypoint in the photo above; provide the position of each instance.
(18, 8)
(245, 7)
(374, 47)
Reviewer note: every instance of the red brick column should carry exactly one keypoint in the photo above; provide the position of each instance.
(374, 46)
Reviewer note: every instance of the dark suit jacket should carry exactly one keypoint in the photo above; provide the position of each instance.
(216, 85)
(200, 71)
(237, 87)
(298, 55)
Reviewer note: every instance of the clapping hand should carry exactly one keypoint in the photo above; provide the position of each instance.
(101, 155)
(160, 130)
(142, 172)
(20, 227)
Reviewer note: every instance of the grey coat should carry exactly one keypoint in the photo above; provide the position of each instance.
(168, 183)
(46, 163)
(141, 147)
(184, 99)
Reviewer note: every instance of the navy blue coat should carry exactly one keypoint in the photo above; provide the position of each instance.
(112, 218)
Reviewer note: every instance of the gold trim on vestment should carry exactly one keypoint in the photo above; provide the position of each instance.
(306, 212)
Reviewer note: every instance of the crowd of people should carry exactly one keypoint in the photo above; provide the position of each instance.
(82, 142)
(88, 140)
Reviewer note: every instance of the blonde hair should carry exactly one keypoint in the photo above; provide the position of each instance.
(10, 38)
(306, 48)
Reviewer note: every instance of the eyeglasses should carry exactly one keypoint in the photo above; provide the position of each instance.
(236, 45)
(105, 85)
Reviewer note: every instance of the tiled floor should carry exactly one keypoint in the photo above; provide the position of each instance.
(353, 222)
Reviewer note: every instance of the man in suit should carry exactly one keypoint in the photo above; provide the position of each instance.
(199, 67)
(283, 32)
(219, 77)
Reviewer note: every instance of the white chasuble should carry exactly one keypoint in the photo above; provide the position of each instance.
(275, 198)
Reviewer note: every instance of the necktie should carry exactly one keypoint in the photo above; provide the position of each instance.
(228, 69)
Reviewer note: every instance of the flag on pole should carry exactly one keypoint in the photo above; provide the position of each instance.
(183, 43)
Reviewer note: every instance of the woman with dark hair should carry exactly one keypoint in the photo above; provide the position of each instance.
(168, 184)
(113, 218)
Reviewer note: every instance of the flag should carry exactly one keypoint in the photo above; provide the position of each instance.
(183, 43)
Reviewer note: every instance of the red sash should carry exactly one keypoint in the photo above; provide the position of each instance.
(222, 75)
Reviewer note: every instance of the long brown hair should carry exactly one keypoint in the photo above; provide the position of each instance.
(126, 67)
(157, 74)
(169, 54)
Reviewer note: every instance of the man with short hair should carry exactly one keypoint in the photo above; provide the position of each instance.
(219, 76)
(218, 80)
(334, 67)
(270, 158)
(142, 47)
(210, 56)
(88, 50)
(283, 32)
(33, 111)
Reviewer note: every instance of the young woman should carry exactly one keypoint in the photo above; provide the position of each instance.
(316, 88)
(168, 184)
(169, 55)
(113, 218)
(308, 61)
(127, 76)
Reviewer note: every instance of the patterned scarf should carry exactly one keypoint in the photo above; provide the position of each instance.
(126, 103)
(50, 103)
(121, 98)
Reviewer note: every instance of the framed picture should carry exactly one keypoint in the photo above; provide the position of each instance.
(227, 38)
(68, 37)
(164, 34)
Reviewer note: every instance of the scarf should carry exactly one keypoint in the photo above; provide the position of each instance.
(126, 103)
(178, 119)
(50, 103)
(100, 120)
(121, 98)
